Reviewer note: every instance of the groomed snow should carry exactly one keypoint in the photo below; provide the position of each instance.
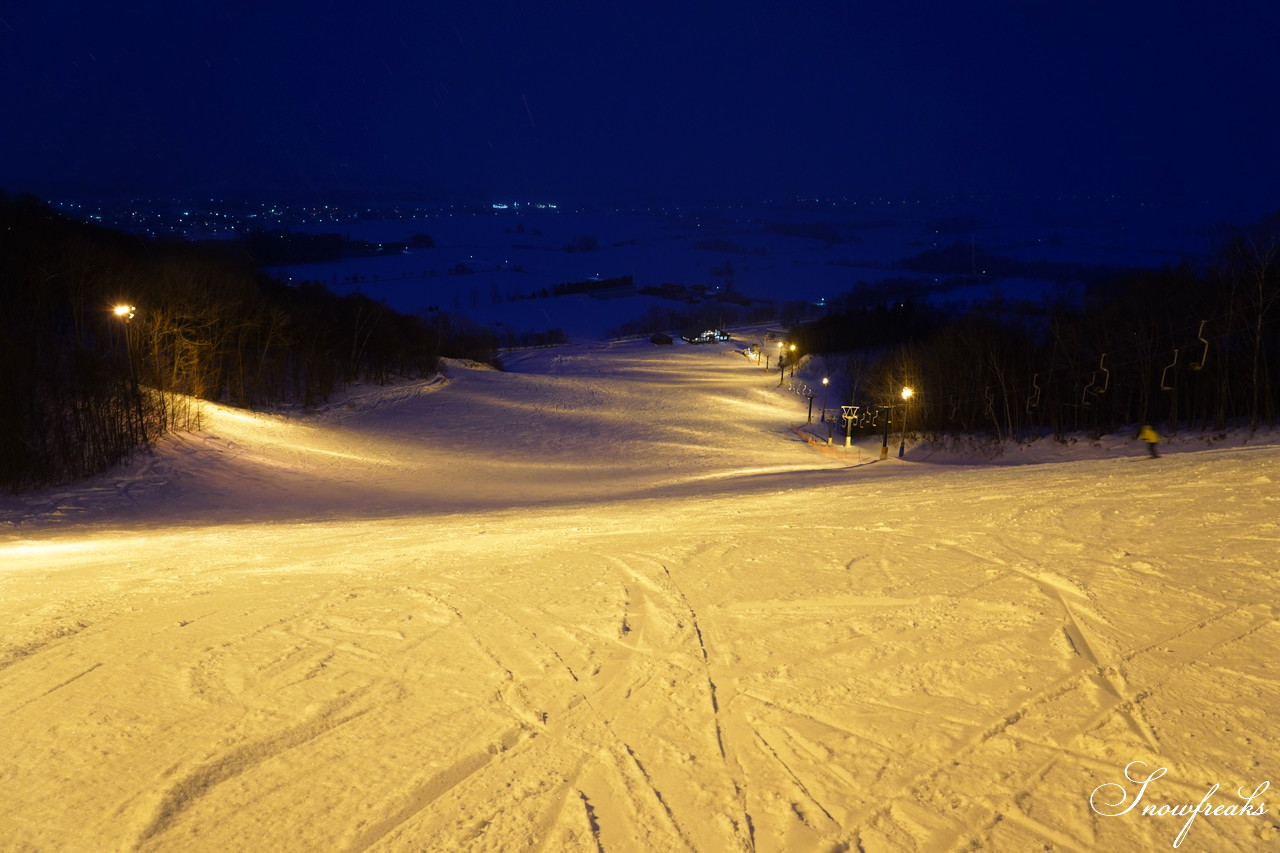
(609, 600)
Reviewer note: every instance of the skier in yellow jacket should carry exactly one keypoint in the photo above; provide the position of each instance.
(1152, 438)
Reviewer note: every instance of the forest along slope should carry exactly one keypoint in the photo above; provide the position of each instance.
(608, 601)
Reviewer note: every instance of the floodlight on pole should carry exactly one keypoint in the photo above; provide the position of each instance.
(126, 313)
(906, 395)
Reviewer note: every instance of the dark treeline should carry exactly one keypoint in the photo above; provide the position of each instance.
(964, 259)
(283, 247)
(594, 285)
(810, 230)
(84, 385)
(695, 318)
(1180, 347)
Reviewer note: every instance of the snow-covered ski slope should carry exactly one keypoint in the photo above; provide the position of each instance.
(608, 600)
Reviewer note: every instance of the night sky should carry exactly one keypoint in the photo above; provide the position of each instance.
(1169, 100)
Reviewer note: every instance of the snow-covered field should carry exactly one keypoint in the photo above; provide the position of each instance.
(509, 255)
(609, 600)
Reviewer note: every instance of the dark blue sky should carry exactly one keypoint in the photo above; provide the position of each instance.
(1168, 100)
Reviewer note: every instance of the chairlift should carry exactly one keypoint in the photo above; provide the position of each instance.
(1164, 384)
(1197, 365)
(1106, 376)
(991, 402)
(1034, 400)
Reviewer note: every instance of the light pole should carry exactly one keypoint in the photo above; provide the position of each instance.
(780, 364)
(884, 444)
(126, 313)
(826, 390)
(906, 395)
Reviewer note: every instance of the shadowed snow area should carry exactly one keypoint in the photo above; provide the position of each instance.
(609, 600)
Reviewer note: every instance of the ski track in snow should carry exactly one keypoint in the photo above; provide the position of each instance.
(609, 600)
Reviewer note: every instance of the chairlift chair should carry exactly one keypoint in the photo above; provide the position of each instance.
(1164, 375)
(1199, 365)
(1106, 376)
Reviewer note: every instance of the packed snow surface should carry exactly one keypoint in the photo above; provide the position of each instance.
(610, 600)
